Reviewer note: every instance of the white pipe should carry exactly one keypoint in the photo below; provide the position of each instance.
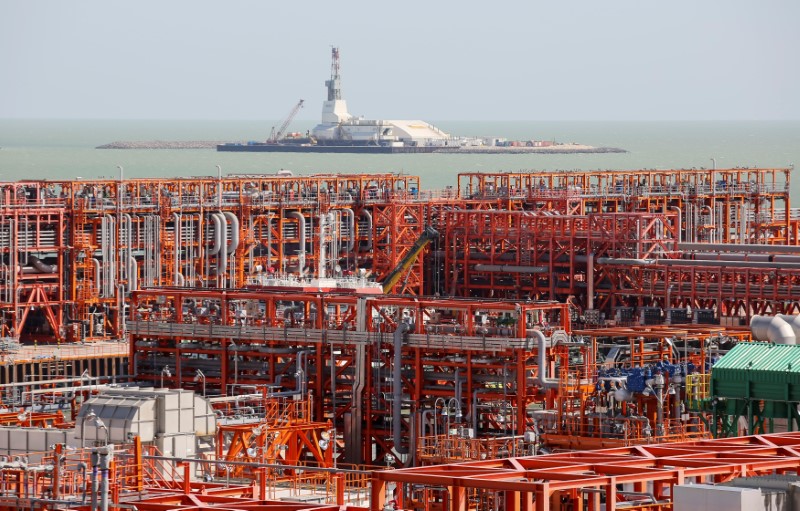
(301, 232)
(542, 380)
(218, 232)
(365, 213)
(351, 223)
(739, 247)
(793, 321)
(130, 267)
(222, 253)
(323, 223)
(626, 261)
(772, 329)
(178, 230)
(711, 221)
(590, 281)
(678, 225)
(133, 274)
(96, 264)
(739, 264)
(233, 220)
(180, 281)
(511, 268)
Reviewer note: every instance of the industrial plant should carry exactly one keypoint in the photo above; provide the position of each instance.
(545, 340)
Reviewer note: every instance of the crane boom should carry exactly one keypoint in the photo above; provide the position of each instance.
(428, 235)
(274, 136)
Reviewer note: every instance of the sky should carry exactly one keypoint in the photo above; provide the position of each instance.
(433, 60)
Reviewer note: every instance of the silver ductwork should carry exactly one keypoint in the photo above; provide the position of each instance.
(772, 329)
(794, 322)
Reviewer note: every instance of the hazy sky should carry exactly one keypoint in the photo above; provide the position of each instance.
(408, 59)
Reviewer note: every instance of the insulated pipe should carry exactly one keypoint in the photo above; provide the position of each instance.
(301, 232)
(541, 379)
(351, 224)
(678, 225)
(739, 264)
(397, 388)
(772, 329)
(366, 214)
(590, 281)
(96, 264)
(232, 245)
(40, 266)
(626, 261)
(738, 247)
(794, 322)
(233, 220)
(133, 274)
(511, 268)
(222, 255)
(218, 232)
(180, 281)
(323, 223)
(104, 465)
(176, 220)
(711, 220)
(94, 486)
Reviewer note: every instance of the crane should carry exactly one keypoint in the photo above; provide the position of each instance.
(275, 136)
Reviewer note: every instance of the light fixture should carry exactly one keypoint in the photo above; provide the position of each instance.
(252, 451)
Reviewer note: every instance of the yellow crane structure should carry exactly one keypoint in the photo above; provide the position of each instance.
(428, 235)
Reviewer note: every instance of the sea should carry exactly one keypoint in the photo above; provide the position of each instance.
(66, 149)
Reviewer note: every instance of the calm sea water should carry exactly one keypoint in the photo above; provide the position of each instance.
(64, 149)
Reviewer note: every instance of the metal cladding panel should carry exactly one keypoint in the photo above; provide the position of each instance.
(187, 420)
(205, 422)
(18, 440)
(164, 445)
(120, 415)
(183, 445)
(37, 440)
(758, 370)
(57, 436)
(743, 356)
(4, 440)
(169, 416)
(707, 497)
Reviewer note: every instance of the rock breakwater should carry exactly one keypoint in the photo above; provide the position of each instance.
(163, 144)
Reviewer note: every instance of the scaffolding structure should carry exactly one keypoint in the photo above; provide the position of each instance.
(399, 376)
(635, 477)
(73, 250)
